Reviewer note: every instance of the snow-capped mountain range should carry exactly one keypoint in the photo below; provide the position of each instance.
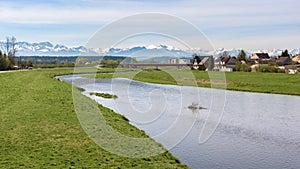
(48, 49)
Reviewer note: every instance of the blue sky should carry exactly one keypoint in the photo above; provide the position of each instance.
(255, 24)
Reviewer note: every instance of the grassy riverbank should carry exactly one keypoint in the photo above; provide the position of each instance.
(277, 83)
(39, 127)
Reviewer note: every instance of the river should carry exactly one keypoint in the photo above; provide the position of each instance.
(256, 130)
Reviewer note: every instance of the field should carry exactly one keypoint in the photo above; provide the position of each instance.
(39, 127)
(277, 83)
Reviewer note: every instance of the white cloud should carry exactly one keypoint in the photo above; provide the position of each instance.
(56, 16)
(258, 43)
(216, 16)
(215, 12)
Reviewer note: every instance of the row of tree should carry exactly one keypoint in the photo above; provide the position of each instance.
(7, 60)
(5, 63)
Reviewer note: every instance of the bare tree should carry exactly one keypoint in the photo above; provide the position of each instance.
(11, 48)
(7, 45)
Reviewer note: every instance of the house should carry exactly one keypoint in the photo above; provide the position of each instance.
(202, 62)
(257, 56)
(296, 59)
(220, 62)
(261, 58)
(198, 63)
(231, 62)
(225, 63)
(282, 61)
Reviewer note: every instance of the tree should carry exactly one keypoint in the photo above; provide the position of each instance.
(237, 66)
(242, 56)
(4, 61)
(81, 61)
(112, 63)
(11, 49)
(11, 46)
(285, 53)
(240, 67)
(7, 45)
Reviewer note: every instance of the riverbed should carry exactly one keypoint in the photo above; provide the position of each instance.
(254, 130)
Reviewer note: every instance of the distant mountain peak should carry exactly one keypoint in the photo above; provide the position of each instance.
(49, 49)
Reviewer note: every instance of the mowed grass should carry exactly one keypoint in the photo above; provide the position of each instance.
(277, 83)
(39, 127)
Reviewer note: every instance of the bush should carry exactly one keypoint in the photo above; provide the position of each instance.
(280, 71)
(242, 67)
(4, 62)
(270, 69)
(104, 95)
(245, 68)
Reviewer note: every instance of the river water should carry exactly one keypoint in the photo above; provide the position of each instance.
(256, 130)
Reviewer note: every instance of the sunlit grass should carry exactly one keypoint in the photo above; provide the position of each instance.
(39, 127)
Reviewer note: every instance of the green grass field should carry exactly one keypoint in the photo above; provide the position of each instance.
(277, 83)
(39, 127)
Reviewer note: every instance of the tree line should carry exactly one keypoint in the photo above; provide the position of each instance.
(8, 59)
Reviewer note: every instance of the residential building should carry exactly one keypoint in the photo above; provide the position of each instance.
(225, 63)
(296, 59)
(282, 61)
(261, 58)
(202, 62)
(231, 62)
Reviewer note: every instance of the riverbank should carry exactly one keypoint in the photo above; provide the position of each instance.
(39, 127)
(257, 130)
(276, 83)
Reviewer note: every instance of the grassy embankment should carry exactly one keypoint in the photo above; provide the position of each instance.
(39, 127)
(277, 83)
